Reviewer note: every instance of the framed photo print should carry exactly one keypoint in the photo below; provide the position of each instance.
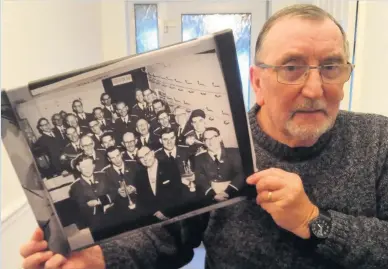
(145, 140)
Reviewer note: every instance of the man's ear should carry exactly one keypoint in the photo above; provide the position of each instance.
(254, 75)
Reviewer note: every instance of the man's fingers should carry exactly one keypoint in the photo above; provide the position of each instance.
(32, 247)
(269, 183)
(36, 260)
(55, 262)
(38, 235)
(268, 197)
(253, 179)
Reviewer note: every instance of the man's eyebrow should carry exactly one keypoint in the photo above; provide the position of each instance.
(289, 57)
(334, 59)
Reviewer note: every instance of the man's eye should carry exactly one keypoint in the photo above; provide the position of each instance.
(291, 68)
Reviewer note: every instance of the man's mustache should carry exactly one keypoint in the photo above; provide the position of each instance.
(310, 105)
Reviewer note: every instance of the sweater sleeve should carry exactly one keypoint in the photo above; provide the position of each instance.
(170, 246)
(361, 242)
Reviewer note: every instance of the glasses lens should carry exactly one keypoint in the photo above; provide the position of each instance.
(335, 73)
(291, 74)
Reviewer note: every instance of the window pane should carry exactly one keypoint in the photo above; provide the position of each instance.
(146, 22)
(194, 26)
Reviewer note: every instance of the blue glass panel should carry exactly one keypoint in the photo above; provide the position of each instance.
(146, 22)
(194, 26)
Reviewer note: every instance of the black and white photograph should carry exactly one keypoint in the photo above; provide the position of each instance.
(140, 142)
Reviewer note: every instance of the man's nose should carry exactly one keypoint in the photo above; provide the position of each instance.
(313, 87)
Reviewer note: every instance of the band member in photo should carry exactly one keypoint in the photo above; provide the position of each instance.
(218, 171)
(179, 156)
(98, 156)
(164, 121)
(92, 192)
(122, 175)
(71, 150)
(130, 148)
(108, 108)
(149, 97)
(106, 124)
(72, 121)
(146, 138)
(139, 109)
(83, 118)
(125, 122)
(194, 137)
(181, 118)
(159, 186)
(51, 144)
(108, 140)
(159, 105)
(59, 128)
(96, 134)
(63, 115)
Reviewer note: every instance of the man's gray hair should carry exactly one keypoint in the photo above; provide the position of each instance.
(305, 11)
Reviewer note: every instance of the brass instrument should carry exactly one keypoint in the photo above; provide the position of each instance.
(189, 175)
(131, 204)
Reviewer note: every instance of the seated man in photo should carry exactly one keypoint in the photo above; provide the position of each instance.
(88, 148)
(96, 134)
(146, 138)
(130, 147)
(92, 192)
(218, 170)
(158, 184)
(106, 124)
(164, 121)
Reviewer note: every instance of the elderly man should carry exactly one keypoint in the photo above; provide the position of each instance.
(323, 173)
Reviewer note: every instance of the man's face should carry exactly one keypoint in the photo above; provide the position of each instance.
(299, 112)
(146, 156)
(108, 141)
(87, 145)
(77, 107)
(57, 120)
(63, 115)
(72, 135)
(86, 167)
(198, 124)
(95, 127)
(72, 121)
(116, 158)
(129, 142)
(106, 100)
(164, 120)
(212, 141)
(148, 96)
(44, 126)
(181, 117)
(168, 141)
(142, 127)
(158, 107)
(98, 114)
(122, 109)
(139, 96)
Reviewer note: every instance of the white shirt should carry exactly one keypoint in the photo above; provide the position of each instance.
(145, 139)
(102, 122)
(76, 146)
(141, 105)
(125, 119)
(218, 153)
(110, 108)
(152, 175)
(199, 135)
(49, 134)
(122, 168)
(78, 129)
(82, 115)
(89, 180)
(173, 152)
(132, 154)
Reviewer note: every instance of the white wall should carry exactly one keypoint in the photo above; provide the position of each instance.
(370, 92)
(39, 39)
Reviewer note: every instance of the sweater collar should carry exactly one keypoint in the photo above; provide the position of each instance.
(280, 150)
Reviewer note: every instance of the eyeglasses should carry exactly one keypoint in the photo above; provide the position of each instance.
(130, 142)
(297, 74)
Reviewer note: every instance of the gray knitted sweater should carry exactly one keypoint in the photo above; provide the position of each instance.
(345, 172)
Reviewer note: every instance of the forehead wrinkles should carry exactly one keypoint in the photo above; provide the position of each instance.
(312, 38)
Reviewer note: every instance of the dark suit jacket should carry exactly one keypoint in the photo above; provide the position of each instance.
(153, 142)
(229, 169)
(136, 110)
(107, 113)
(52, 146)
(169, 190)
(61, 135)
(68, 154)
(84, 131)
(81, 192)
(108, 125)
(182, 157)
(121, 127)
(174, 126)
(85, 122)
(126, 157)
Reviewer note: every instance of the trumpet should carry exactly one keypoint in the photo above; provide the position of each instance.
(189, 175)
(131, 204)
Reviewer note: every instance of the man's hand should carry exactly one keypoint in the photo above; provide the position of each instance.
(160, 215)
(282, 195)
(122, 192)
(93, 203)
(36, 257)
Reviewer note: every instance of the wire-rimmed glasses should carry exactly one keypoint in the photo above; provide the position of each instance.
(297, 74)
